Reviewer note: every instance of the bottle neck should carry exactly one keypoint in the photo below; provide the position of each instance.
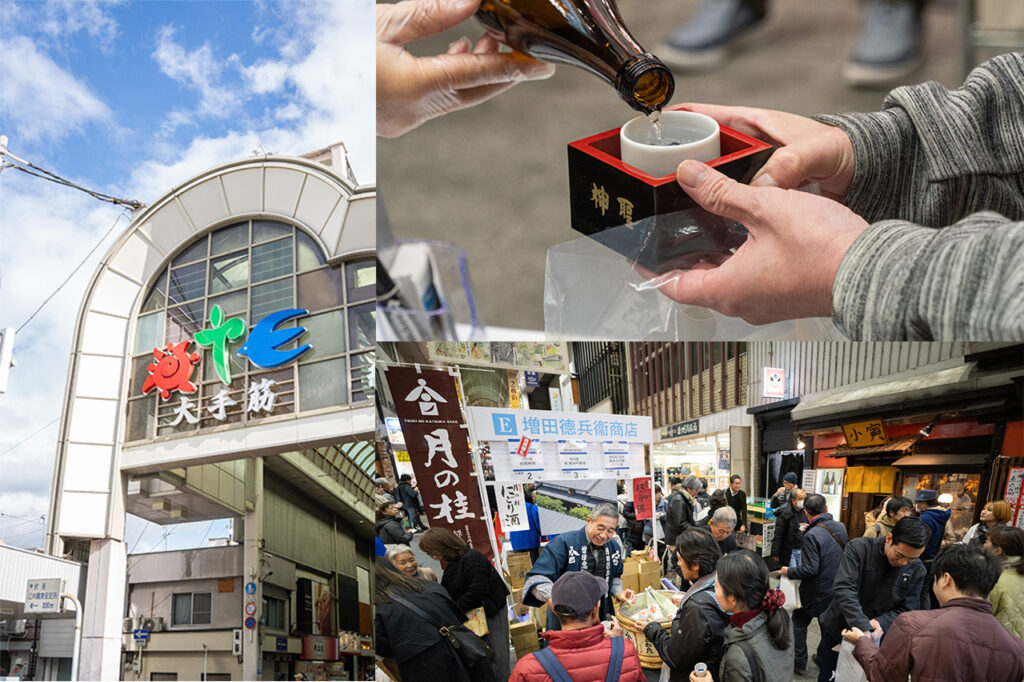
(645, 83)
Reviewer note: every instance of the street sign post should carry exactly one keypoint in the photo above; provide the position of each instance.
(43, 595)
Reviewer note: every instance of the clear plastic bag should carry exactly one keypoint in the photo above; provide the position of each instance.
(594, 289)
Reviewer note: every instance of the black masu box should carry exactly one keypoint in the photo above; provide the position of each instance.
(652, 220)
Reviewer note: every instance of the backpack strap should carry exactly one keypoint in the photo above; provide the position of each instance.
(552, 666)
(878, 530)
(748, 651)
(615, 662)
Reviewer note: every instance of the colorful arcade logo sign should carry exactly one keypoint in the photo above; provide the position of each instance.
(173, 369)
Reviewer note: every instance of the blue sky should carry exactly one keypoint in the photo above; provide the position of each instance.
(131, 99)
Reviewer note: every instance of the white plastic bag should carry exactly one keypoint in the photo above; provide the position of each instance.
(848, 669)
(791, 590)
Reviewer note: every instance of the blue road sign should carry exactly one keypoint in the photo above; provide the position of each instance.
(250, 588)
(140, 634)
(250, 622)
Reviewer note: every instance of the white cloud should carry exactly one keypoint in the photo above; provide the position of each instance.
(62, 18)
(42, 100)
(198, 70)
(265, 77)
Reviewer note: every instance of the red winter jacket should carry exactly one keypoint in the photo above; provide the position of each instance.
(584, 654)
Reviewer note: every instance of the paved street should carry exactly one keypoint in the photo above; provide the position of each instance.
(493, 179)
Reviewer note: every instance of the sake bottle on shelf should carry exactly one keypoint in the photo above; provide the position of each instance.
(589, 34)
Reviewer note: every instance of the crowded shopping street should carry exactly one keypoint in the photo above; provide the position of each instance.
(755, 532)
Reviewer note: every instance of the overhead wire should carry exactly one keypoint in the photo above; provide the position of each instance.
(34, 170)
(27, 438)
(73, 272)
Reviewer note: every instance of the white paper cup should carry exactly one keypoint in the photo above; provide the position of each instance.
(697, 136)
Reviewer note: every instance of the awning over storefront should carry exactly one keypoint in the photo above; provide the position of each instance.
(956, 387)
(946, 460)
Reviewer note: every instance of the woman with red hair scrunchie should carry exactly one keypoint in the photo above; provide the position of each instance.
(760, 632)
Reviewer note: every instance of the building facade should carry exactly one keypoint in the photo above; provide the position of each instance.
(225, 342)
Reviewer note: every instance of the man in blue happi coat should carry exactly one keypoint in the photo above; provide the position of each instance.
(594, 549)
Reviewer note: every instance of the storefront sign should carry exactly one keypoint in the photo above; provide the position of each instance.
(524, 355)
(316, 648)
(281, 644)
(511, 507)
(532, 379)
(643, 499)
(774, 383)
(402, 455)
(681, 429)
(43, 595)
(225, 585)
(173, 369)
(497, 424)
(513, 390)
(428, 408)
(864, 434)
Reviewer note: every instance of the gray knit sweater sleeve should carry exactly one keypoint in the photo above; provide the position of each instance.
(935, 158)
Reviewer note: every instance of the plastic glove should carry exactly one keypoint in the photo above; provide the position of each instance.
(788, 264)
(412, 90)
(809, 151)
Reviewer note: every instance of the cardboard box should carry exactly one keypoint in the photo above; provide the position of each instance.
(519, 564)
(663, 227)
(631, 577)
(650, 575)
(524, 637)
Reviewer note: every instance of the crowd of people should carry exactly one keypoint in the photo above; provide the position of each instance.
(910, 598)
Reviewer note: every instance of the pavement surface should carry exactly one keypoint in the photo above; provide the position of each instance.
(493, 179)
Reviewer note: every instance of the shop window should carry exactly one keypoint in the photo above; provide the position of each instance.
(962, 490)
(192, 608)
(251, 269)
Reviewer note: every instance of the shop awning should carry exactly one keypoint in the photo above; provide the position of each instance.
(848, 399)
(973, 460)
(897, 446)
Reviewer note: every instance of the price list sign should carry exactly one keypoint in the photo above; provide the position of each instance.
(1014, 495)
(572, 459)
(527, 459)
(616, 458)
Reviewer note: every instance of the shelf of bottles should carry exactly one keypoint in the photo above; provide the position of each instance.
(829, 482)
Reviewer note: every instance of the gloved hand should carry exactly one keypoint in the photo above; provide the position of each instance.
(808, 151)
(413, 90)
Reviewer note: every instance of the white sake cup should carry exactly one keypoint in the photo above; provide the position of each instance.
(699, 135)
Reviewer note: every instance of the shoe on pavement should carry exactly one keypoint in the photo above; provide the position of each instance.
(718, 28)
(891, 45)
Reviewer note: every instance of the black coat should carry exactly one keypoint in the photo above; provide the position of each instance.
(868, 587)
(739, 503)
(415, 644)
(680, 515)
(629, 513)
(473, 582)
(787, 532)
(696, 636)
(819, 562)
(390, 530)
(406, 494)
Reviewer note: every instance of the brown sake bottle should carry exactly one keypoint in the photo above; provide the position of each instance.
(589, 34)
